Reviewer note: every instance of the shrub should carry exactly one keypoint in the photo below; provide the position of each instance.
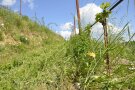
(24, 40)
(79, 46)
(25, 18)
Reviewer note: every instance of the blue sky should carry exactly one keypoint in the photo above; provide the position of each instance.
(62, 11)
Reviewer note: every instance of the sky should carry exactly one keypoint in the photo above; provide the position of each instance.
(58, 14)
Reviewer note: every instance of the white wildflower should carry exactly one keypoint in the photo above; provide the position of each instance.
(131, 68)
(2, 24)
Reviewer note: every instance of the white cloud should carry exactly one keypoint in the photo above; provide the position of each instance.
(88, 13)
(30, 2)
(65, 34)
(65, 30)
(16, 10)
(66, 26)
(8, 2)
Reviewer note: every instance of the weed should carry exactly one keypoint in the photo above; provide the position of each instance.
(24, 40)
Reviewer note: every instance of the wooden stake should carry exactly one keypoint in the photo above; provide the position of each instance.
(78, 15)
(21, 7)
(74, 26)
(104, 23)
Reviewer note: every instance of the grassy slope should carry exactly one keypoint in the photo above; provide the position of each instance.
(21, 34)
(31, 56)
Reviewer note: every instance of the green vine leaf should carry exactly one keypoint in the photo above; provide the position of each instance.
(105, 14)
(105, 5)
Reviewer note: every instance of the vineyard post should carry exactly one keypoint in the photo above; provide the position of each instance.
(104, 23)
(74, 25)
(78, 15)
(20, 7)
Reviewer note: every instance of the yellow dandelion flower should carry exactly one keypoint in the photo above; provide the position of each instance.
(91, 54)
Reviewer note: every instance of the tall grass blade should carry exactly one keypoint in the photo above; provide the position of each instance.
(119, 34)
(125, 44)
(129, 32)
(127, 6)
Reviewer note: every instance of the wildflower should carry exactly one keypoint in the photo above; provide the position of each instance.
(131, 68)
(2, 24)
(91, 54)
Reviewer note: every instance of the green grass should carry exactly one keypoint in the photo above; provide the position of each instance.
(38, 68)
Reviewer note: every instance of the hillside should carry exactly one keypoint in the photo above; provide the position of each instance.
(18, 34)
(30, 54)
